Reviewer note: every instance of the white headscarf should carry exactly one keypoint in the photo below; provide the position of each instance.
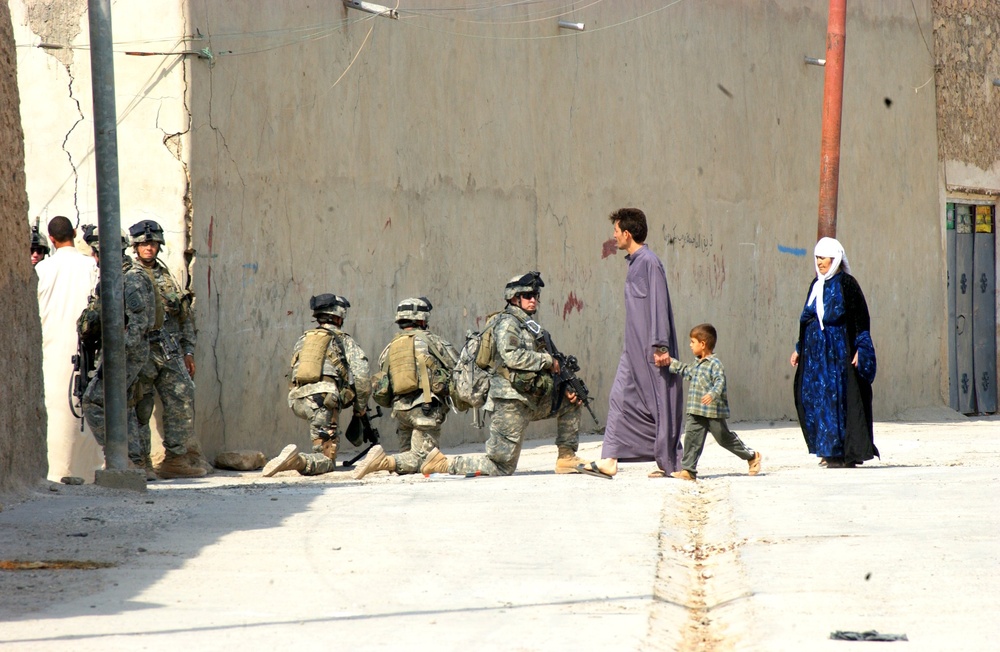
(826, 248)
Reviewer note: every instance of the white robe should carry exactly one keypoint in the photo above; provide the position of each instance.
(65, 281)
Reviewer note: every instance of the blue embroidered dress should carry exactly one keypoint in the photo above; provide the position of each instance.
(832, 397)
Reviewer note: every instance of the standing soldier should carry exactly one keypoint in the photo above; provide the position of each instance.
(521, 391)
(170, 369)
(141, 326)
(329, 373)
(415, 371)
(143, 320)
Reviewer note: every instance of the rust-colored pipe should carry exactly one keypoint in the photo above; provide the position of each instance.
(833, 101)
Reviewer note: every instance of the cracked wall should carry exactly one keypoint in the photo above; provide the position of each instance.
(22, 409)
(151, 104)
(440, 155)
(153, 120)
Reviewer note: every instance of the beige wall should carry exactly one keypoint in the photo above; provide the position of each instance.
(153, 120)
(460, 148)
(22, 408)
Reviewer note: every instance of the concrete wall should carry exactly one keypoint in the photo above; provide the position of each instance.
(445, 152)
(22, 407)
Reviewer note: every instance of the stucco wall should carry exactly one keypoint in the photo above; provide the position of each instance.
(445, 152)
(152, 114)
(22, 408)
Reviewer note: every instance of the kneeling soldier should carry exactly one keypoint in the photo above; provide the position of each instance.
(522, 390)
(329, 373)
(415, 371)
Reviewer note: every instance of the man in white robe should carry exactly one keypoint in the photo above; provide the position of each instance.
(65, 280)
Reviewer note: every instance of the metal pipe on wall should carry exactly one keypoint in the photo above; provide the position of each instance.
(833, 100)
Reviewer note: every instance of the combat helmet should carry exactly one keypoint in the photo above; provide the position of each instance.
(414, 309)
(329, 304)
(146, 231)
(38, 241)
(526, 284)
(92, 237)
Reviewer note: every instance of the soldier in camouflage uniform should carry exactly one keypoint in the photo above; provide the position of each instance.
(143, 319)
(521, 391)
(170, 368)
(329, 374)
(420, 362)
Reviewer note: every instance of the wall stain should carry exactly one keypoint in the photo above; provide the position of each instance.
(609, 248)
(572, 302)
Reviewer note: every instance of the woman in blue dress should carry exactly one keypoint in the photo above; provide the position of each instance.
(835, 364)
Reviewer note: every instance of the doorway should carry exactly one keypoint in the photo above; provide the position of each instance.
(972, 318)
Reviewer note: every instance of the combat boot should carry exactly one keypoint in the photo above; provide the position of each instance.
(568, 461)
(375, 460)
(326, 446)
(178, 466)
(147, 465)
(197, 459)
(436, 463)
(288, 459)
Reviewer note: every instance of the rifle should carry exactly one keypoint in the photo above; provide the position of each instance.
(368, 434)
(84, 365)
(566, 380)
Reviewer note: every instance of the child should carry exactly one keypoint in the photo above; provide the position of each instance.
(707, 406)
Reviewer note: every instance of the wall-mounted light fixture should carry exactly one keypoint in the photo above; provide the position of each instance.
(813, 61)
(372, 8)
(565, 24)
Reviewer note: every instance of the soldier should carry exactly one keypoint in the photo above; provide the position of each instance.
(170, 368)
(329, 374)
(521, 391)
(415, 372)
(39, 249)
(143, 320)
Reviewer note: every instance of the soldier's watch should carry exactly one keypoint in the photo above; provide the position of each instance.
(662, 349)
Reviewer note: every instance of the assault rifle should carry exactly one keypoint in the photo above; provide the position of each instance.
(361, 431)
(566, 380)
(84, 367)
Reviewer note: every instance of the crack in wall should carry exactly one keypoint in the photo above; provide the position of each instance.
(75, 175)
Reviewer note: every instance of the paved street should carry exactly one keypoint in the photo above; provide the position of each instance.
(905, 545)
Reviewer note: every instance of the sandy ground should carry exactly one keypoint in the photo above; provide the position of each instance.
(537, 561)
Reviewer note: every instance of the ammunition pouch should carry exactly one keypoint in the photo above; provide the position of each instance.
(331, 401)
(530, 383)
(346, 397)
(382, 389)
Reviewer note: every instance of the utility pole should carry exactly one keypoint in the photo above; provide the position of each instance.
(833, 101)
(109, 232)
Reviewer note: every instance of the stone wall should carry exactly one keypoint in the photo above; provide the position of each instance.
(22, 410)
(967, 49)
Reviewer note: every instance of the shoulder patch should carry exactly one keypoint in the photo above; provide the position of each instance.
(133, 300)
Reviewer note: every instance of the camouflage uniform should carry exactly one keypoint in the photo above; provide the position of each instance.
(320, 402)
(165, 370)
(418, 417)
(143, 318)
(520, 392)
